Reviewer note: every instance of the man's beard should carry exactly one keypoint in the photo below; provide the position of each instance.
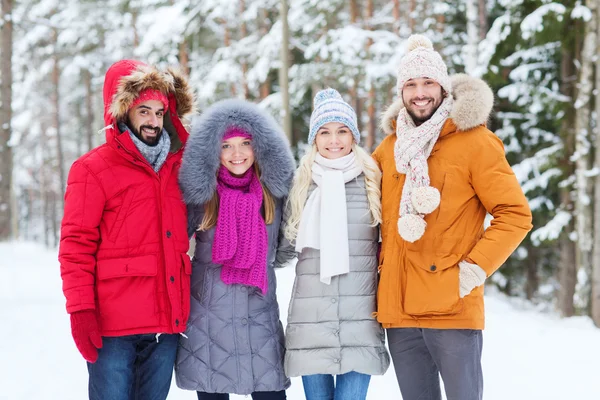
(419, 119)
(153, 141)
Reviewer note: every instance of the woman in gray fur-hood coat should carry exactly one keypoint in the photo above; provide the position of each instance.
(234, 341)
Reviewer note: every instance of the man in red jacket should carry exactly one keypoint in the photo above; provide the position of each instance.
(123, 248)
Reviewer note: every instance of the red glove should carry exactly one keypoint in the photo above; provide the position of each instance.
(84, 328)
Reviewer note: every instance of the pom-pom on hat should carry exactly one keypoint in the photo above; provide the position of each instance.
(329, 106)
(422, 61)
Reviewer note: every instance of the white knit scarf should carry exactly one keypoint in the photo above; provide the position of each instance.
(411, 151)
(324, 222)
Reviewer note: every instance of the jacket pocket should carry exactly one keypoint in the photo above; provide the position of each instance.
(432, 286)
(186, 272)
(126, 289)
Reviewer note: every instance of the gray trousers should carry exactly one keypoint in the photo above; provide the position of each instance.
(421, 355)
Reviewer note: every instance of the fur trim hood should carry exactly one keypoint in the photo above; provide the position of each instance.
(126, 79)
(201, 158)
(473, 103)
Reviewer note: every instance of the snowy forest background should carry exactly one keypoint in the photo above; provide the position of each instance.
(540, 57)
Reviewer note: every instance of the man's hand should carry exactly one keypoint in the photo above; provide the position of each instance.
(469, 277)
(85, 331)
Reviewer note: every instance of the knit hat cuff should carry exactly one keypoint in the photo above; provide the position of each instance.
(236, 132)
(332, 117)
(151, 94)
(424, 71)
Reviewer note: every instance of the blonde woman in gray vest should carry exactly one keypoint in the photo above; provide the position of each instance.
(333, 340)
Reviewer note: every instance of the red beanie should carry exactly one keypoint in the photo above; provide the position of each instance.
(151, 94)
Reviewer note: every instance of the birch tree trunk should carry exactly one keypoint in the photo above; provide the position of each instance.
(470, 50)
(6, 158)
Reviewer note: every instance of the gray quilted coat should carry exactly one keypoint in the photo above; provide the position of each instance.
(331, 328)
(235, 340)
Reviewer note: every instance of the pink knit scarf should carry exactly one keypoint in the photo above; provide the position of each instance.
(240, 242)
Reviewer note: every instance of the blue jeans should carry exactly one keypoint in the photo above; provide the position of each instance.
(348, 386)
(133, 367)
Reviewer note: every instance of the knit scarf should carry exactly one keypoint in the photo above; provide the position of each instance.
(155, 155)
(411, 151)
(240, 242)
(324, 222)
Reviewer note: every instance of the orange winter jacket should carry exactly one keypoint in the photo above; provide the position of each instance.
(419, 284)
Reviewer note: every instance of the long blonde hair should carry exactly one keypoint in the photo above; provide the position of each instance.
(303, 179)
(211, 208)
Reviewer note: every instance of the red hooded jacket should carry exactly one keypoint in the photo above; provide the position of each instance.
(123, 247)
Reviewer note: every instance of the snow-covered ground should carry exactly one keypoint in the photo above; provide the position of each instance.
(527, 354)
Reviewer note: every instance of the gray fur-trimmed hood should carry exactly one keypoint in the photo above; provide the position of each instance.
(473, 103)
(201, 158)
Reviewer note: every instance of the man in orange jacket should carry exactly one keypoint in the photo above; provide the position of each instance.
(443, 171)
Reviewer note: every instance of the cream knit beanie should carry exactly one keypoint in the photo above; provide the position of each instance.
(422, 61)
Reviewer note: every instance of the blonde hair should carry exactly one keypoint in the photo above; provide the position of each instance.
(211, 208)
(303, 179)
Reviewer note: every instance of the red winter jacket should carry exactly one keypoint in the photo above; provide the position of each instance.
(123, 247)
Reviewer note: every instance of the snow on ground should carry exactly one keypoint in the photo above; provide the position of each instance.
(527, 354)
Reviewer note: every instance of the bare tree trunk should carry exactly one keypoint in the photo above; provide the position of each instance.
(567, 270)
(89, 109)
(44, 182)
(353, 90)
(283, 72)
(595, 278)
(372, 126)
(184, 57)
(441, 22)
(411, 14)
(78, 114)
(567, 274)
(265, 87)
(483, 24)
(56, 102)
(353, 11)
(583, 151)
(244, 33)
(6, 157)
(533, 281)
(136, 35)
(470, 50)
(396, 12)
(54, 218)
(227, 43)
